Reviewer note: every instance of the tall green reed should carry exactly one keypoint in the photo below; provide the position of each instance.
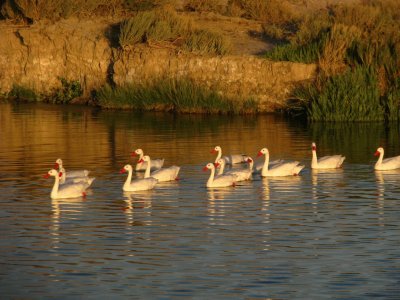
(352, 96)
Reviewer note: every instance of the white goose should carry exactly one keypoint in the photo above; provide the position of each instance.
(163, 174)
(241, 175)
(231, 159)
(280, 169)
(65, 191)
(259, 165)
(141, 166)
(72, 180)
(76, 173)
(387, 163)
(219, 181)
(142, 184)
(326, 162)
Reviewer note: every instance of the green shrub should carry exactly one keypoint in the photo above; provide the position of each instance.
(174, 95)
(356, 48)
(23, 93)
(68, 91)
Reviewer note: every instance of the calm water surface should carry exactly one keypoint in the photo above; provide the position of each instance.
(321, 235)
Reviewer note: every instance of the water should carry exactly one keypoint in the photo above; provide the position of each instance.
(321, 235)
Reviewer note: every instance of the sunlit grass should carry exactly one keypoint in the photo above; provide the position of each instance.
(164, 25)
(182, 96)
(352, 96)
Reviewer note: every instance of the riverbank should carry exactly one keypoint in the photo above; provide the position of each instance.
(37, 58)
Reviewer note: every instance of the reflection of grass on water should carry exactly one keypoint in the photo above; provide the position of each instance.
(175, 95)
(184, 125)
(345, 139)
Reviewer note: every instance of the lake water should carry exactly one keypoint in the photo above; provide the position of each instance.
(320, 235)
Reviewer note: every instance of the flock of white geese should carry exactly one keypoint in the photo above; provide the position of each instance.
(73, 184)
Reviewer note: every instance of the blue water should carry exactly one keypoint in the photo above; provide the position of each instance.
(320, 235)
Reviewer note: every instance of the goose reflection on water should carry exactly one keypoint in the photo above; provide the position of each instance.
(264, 193)
(383, 179)
(63, 209)
(325, 182)
(137, 201)
(216, 206)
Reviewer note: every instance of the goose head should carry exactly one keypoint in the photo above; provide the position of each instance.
(220, 162)
(216, 149)
(52, 172)
(313, 147)
(137, 152)
(379, 151)
(263, 151)
(58, 163)
(209, 166)
(145, 158)
(125, 169)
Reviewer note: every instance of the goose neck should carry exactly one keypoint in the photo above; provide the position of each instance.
(148, 167)
(128, 178)
(211, 178)
(56, 185)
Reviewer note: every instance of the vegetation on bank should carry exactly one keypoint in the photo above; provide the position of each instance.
(69, 90)
(165, 26)
(356, 47)
(174, 95)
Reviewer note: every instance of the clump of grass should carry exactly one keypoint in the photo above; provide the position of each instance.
(70, 89)
(295, 53)
(204, 41)
(352, 96)
(19, 92)
(164, 25)
(156, 25)
(332, 59)
(175, 95)
(270, 11)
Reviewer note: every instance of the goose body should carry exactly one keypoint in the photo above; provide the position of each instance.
(163, 174)
(230, 159)
(259, 165)
(219, 181)
(72, 180)
(142, 184)
(241, 175)
(141, 166)
(326, 162)
(72, 190)
(279, 169)
(387, 163)
(70, 174)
